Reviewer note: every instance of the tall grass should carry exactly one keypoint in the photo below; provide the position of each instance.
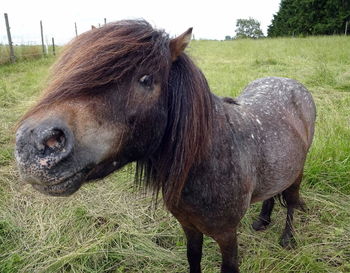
(23, 52)
(109, 226)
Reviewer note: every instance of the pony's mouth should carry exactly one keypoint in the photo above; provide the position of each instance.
(64, 187)
(57, 185)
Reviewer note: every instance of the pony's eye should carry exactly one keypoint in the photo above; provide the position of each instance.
(146, 81)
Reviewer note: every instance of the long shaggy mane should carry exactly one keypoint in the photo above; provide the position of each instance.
(188, 136)
(102, 57)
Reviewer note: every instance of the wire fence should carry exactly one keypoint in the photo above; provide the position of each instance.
(11, 52)
(15, 48)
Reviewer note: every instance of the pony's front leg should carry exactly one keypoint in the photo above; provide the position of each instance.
(194, 248)
(227, 241)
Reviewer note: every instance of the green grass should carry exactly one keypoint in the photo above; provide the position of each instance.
(109, 226)
(23, 52)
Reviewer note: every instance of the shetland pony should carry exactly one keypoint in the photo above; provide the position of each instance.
(126, 92)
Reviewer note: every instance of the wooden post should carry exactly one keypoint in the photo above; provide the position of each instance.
(76, 29)
(346, 27)
(53, 47)
(105, 21)
(42, 37)
(12, 53)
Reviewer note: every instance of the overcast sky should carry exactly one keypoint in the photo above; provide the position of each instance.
(211, 19)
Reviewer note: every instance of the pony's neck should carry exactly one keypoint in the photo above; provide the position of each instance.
(188, 135)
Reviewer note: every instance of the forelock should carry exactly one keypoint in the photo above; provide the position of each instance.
(105, 56)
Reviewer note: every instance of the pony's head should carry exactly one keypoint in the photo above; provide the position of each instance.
(109, 102)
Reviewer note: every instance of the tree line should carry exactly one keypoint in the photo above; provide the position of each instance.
(310, 17)
(301, 18)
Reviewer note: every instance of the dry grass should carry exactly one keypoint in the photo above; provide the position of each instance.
(110, 227)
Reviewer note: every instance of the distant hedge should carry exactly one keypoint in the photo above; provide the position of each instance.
(310, 17)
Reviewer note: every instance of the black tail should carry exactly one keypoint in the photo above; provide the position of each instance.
(281, 199)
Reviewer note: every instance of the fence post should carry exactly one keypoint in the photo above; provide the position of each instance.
(12, 54)
(346, 27)
(53, 47)
(76, 29)
(105, 21)
(42, 37)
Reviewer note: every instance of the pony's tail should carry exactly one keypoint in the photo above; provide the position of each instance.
(282, 200)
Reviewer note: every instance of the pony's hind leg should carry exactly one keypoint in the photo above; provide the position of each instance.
(227, 241)
(265, 215)
(194, 248)
(293, 201)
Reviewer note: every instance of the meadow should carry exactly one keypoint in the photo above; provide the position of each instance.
(23, 52)
(111, 226)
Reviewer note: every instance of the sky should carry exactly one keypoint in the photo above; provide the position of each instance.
(210, 19)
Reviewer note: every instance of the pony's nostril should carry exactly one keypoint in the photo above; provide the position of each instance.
(56, 141)
(53, 142)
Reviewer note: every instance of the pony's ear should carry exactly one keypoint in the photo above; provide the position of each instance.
(178, 44)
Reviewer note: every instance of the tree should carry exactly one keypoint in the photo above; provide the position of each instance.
(305, 17)
(248, 28)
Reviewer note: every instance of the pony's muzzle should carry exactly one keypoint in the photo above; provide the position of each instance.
(44, 145)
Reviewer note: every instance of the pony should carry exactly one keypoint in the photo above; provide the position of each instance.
(127, 92)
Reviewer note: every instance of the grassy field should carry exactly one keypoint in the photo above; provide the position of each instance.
(109, 226)
(23, 52)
